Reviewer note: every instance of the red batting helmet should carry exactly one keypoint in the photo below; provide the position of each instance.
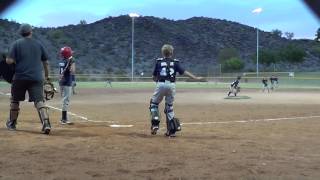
(66, 52)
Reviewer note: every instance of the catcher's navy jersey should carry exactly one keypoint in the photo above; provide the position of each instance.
(66, 79)
(166, 69)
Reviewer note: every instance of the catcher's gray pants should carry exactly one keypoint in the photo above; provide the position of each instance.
(66, 95)
(167, 90)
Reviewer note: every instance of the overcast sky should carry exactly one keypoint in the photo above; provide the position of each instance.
(286, 15)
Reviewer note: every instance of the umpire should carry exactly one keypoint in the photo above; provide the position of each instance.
(30, 59)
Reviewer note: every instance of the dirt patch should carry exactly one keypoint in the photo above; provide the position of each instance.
(214, 142)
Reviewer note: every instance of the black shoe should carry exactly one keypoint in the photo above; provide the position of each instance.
(11, 124)
(170, 134)
(154, 130)
(46, 127)
(65, 121)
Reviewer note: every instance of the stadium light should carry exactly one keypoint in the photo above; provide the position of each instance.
(132, 15)
(257, 11)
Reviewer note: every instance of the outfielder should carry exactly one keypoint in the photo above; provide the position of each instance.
(30, 59)
(164, 74)
(66, 68)
(234, 87)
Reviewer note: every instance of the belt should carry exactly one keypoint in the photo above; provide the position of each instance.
(166, 81)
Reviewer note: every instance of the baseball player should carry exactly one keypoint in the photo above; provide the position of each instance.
(234, 86)
(164, 74)
(30, 59)
(66, 68)
(265, 84)
(274, 82)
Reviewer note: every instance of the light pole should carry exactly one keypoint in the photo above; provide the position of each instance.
(132, 15)
(257, 11)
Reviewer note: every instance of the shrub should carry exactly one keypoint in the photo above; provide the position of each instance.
(233, 64)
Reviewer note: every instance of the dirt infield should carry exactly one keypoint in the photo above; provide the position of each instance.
(269, 136)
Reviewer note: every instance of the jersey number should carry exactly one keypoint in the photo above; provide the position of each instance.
(163, 71)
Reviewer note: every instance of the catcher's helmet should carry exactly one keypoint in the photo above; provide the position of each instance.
(66, 52)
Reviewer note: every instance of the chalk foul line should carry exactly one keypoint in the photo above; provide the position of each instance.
(94, 121)
(248, 121)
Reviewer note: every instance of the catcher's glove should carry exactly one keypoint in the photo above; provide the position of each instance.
(6, 70)
(49, 90)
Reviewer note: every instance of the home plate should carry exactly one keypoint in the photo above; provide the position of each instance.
(120, 126)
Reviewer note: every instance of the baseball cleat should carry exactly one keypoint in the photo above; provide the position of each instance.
(46, 128)
(11, 124)
(65, 121)
(154, 130)
(168, 134)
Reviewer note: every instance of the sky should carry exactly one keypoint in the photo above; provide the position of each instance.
(285, 15)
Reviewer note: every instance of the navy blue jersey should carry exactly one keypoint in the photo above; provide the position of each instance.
(166, 69)
(274, 80)
(235, 83)
(73, 77)
(66, 79)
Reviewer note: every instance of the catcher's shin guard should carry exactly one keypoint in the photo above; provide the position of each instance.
(173, 124)
(44, 116)
(13, 116)
(155, 117)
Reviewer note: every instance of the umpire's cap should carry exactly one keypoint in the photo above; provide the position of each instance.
(25, 29)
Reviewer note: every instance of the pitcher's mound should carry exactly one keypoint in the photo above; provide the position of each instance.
(237, 97)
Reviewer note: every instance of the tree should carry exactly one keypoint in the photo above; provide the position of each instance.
(83, 22)
(226, 54)
(233, 64)
(289, 35)
(277, 32)
(318, 35)
(292, 54)
(268, 57)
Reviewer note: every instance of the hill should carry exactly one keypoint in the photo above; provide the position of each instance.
(105, 46)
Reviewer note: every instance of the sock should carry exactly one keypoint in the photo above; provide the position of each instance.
(64, 115)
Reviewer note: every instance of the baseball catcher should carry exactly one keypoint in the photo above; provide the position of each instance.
(164, 74)
(234, 87)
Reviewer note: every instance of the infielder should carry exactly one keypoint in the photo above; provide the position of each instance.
(234, 86)
(164, 74)
(265, 84)
(274, 82)
(66, 68)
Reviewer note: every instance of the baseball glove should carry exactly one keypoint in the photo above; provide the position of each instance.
(49, 90)
(6, 70)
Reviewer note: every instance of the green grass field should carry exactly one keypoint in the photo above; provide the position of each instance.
(284, 84)
(301, 80)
